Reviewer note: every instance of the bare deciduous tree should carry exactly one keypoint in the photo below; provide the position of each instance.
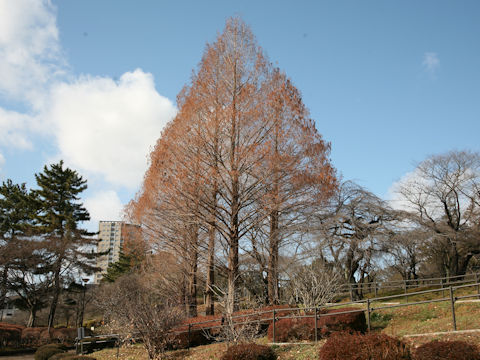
(142, 308)
(352, 231)
(314, 285)
(442, 195)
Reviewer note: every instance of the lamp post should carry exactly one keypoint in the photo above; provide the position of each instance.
(85, 280)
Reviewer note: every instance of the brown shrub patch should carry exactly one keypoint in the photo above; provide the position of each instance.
(364, 347)
(304, 328)
(447, 350)
(249, 352)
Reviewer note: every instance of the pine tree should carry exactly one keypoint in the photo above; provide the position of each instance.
(17, 210)
(69, 246)
(125, 264)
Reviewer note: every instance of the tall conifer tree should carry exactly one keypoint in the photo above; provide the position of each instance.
(69, 246)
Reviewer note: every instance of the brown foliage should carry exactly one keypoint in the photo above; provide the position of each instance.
(249, 352)
(60, 335)
(182, 340)
(343, 346)
(10, 336)
(304, 328)
(447, 350)
(31, 335)
(241, 154)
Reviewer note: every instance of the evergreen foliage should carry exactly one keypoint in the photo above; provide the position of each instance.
(125, 264)
(58, 222)
(18, 207)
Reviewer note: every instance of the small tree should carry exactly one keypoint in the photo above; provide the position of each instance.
(142, 307)
(313, 285)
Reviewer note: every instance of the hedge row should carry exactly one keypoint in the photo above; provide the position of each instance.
(12, 335)
(304, 328)
(383, 347)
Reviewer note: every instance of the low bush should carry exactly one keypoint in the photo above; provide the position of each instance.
(354, 321)
(47, 351)
(61, 335)
(447, 350)
(304, 328)
(182, 340)
(31, 336)
(292, 329)
(249, 352)
(10, 336)
(363, 347)
(65, 356)
(15, 326)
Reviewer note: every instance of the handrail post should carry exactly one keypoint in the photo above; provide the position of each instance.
(478, 285)
(452, 301)
(368, 315)
(189, 328)
(273, 327)
(405, 287)
(375, 288)
(316, 330)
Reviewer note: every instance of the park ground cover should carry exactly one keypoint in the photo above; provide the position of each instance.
(398, 322)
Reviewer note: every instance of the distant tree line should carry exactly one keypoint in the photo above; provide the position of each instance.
(43, 249)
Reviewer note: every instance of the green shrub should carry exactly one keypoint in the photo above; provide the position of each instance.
(364, 347)
(447, 350)
(249, 352)
(380, 320)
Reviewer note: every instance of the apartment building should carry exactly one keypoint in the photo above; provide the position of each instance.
(112, 237)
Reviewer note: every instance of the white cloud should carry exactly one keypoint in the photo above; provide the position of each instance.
(104, 205)
(100, 126)
(431, 62)
(108, 127)
(29, 48)
(14, 129)
(2, 161)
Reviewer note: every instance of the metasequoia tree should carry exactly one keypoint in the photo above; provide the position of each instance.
(443, 197)
(223, 167)
(297, 177)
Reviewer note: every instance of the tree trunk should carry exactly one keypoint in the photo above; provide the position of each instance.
(56, 295)
(272, 275)
(32, 318)
(3, 290)
(209, 300)
(192, 282)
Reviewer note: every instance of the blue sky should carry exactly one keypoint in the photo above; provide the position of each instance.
(93, 82)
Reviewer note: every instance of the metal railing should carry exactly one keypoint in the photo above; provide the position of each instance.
(374, 287)
(318, 312)
(97, 340)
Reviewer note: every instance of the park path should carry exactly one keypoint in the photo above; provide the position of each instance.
(18, 357)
